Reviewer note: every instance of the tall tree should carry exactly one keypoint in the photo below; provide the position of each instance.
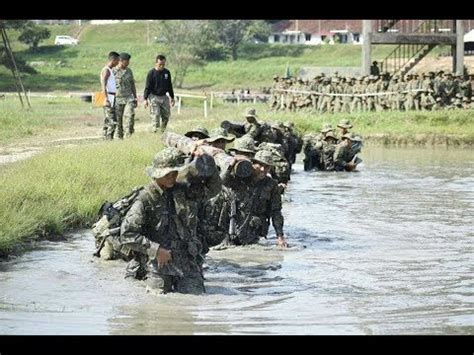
(18, 25)
(180, 38)
(32, 35)
(232, 33)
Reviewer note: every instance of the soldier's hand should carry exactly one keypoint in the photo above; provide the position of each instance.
(163, 257)
(145, 103)
(281, 242)
(196, 150)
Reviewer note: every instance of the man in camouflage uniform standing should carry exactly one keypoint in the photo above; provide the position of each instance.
(161, 228)
(126, 96)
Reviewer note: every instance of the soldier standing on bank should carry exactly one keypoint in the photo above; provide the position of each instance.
(126, 96)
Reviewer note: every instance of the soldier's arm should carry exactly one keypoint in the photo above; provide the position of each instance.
(131, 232)
(134, 88)
(275, 205)
(339, 162)
(104, 76)
(213, 185)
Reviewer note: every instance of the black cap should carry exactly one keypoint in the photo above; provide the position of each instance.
(125, 56)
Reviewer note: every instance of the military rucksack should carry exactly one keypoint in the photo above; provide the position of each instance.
(106, 230)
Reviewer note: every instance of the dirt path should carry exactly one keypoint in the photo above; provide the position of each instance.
(76, 135)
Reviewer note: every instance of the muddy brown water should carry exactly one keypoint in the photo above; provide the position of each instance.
(387, 250)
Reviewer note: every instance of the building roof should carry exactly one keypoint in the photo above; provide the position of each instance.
(355, 26)
(317, 26)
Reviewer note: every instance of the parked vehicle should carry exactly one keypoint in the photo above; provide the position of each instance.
(65, 40)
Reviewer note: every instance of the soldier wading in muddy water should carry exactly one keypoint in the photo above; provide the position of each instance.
(161, 228)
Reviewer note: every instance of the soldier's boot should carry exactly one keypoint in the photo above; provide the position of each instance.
(226, 243)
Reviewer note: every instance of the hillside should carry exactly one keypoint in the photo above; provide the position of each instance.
(77, 68)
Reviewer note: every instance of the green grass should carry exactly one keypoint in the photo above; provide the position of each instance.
(50, 115)
(80, 65)
(63, 188)
(45, 115)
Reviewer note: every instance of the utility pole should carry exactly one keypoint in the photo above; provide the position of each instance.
(148, 33)
(16, 73)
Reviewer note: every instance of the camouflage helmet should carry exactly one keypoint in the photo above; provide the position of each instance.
(244, 144)
(277, 125)
(263, 157)
(201, 131)
(168, 160)
(349, 136)
(219, 133)
(330, 135)
(345, 123)
(251, 113)
(327, 127)
(288, 124)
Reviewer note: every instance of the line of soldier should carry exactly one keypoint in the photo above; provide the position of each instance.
(200, 196)
(427, 91)
(331, 151)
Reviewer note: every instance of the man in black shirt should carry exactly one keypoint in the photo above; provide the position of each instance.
(159, 94)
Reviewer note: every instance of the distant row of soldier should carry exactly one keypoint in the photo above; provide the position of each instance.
(427, 91)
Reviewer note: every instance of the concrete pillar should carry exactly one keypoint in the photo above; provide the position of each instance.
(459, 57)
(366, 46)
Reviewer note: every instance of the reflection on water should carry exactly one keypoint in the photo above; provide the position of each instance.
(386, 250)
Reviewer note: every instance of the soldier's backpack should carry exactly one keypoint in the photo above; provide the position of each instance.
(106, 230)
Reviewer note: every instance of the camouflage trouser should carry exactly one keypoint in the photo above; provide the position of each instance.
(125, 112)
(356, 105)
(110, 122)
(159, 108)
(136, 268)
(192, 282)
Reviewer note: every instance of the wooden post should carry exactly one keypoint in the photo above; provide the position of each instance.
(238, 100)
(212, 100)
(205, 107)
(179, 104)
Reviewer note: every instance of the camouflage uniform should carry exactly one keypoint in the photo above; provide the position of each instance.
(125, 101)
(256, 202)
(252, 127)
(342, 153)
(281, 167)
(110, 122)
(166, 218)
(327, 152)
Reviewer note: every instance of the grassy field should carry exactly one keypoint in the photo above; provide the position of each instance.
(77, 68)
(72, 117)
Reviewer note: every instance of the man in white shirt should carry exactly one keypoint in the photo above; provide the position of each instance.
(109, 88)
